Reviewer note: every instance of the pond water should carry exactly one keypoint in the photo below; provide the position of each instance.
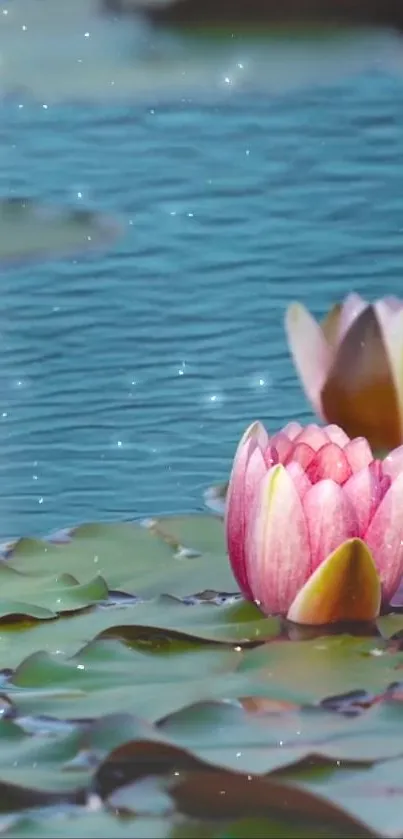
(127, 377)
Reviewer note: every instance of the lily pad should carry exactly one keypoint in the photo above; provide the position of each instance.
(155, 623)
(141, 560)
(373, 796)
(76, 822)
(141, 695)
(137, 559)
(30, 230)
(201, 793)
(107, 676)
(229, 735)
(65, 759)
(46, 596)
(126, 59)
(326, 666)
(390, 625)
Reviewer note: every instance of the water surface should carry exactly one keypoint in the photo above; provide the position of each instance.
(126, 378)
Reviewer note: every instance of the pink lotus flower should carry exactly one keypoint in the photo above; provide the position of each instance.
(351, 366)
(314, 524)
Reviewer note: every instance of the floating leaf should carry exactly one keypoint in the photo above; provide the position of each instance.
(70, 822)
(390, 625)
(108, 676)
(132, 558)
(374, 796)
(44, 577)
(225, 734)
(42, 597)
(199, 534)
(156, 622)
(327, 666)
(201, 793)
(123, 59)
(275, 827)
(128, 656)
(31, 231)
(64, 761)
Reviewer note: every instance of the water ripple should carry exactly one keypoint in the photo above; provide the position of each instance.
(126, 380)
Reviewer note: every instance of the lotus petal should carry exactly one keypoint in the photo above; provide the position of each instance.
(302, 454)
(393, 462)
(329, 462)
(331, 519)
(311, 352)
(330, 325)
(384, 538)
(345, 587)
(391, 323)
(337, 435)
(292, 429)
(248, 469)
(359, 453)
(299, 477)
(277, 566)
(360, 393)
(364, 491)
(282, 444)
(313, 435)
(352, 307)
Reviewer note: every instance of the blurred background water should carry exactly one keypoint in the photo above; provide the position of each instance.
(241, 183)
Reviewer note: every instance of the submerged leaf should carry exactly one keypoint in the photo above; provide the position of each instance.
(32, 231)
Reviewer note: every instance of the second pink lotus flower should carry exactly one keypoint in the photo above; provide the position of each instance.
(314, 524)
(351, 366)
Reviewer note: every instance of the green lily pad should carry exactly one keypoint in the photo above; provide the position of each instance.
(372, 795)
(107, 676)
(201, 793)
(390, 625)
(140, 560)
(30, 231)
(133, 558)
(74, 823)
(65, 758)
(43, 597)
(225, 734)
(133, 657)
(285, 828)
(326, 666)
(154, 622)
(19, 753)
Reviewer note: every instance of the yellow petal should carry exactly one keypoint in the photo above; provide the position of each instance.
(345, 587)
(360, 392)
(331, 324)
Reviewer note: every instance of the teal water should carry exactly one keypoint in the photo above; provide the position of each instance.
(127, 378)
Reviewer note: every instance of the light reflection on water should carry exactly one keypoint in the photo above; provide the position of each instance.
(126, 379)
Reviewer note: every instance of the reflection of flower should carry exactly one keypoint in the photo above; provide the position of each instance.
(352, 366)
(314, 524)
